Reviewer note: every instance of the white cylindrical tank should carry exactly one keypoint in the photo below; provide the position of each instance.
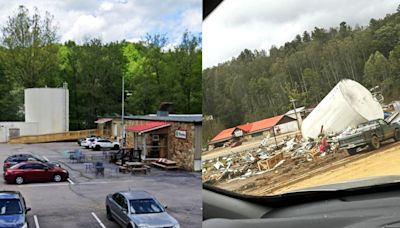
(347, 104)
(49, 107)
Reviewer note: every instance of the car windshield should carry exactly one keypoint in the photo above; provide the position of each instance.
(10, 207)
(145, 206)
(286, 108)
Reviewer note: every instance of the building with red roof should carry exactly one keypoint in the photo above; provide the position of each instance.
(175, 137)
(277, 124)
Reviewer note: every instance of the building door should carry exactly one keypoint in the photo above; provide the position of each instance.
(13, 132)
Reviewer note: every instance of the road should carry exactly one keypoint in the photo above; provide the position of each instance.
(382, 162)
(80, 202)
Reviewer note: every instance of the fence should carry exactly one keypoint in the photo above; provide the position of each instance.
(56, 137)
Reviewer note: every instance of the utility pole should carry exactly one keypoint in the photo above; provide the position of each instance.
(295, 113)
(123, 113)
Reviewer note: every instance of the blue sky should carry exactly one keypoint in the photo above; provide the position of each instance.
(113, 20)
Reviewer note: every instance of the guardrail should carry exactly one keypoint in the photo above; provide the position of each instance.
(56, 137)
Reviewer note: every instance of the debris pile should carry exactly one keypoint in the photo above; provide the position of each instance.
(266, 158)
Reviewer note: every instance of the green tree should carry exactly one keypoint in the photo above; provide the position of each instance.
(32, 54)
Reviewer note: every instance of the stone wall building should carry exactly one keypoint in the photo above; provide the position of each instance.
(175, 137)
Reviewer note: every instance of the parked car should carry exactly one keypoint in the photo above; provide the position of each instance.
(99, 144)
(83, 139)
(13, 210)
(33, 171)
(18, 158)
(138, 209)
(88, 141)
(370, 133)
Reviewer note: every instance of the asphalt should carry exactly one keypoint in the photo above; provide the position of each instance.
(80, 202)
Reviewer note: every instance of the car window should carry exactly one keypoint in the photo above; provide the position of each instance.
(27, 166)
(10, 207)
(119, 199)
(145, 206)
(37, 166)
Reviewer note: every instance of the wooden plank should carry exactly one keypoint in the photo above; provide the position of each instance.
(270, 162)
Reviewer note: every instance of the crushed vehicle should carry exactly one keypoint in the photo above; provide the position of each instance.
(370, 133)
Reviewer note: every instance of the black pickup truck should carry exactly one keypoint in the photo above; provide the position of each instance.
(370, 133)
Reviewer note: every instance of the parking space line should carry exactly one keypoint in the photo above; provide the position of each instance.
(98, 220)
(70, 181)
(36, 221)
(42, 185)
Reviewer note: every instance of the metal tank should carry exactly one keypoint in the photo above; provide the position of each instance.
(347, 104)
(49, 108)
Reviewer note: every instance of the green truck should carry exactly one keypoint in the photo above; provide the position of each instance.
(370, 133)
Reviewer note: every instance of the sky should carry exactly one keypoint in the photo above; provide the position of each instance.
(259, 24)
(115, 20)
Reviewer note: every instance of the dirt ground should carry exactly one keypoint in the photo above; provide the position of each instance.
(333, 168)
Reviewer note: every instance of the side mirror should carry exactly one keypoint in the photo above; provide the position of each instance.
(28, 209)
(165, 206)
(46, 168)
(125, 210)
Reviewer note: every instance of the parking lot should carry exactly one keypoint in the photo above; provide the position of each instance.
(80, 202)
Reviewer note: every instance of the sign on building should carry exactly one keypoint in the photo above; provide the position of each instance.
(180, 134)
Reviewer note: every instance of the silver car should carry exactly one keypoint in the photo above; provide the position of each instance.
(138, 209)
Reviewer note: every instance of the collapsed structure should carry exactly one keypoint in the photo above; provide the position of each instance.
(347, 105)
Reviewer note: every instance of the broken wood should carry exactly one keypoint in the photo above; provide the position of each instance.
(270, 162)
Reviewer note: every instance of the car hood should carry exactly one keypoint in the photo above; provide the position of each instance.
(353, 184)
(11, 220)
(154, 219)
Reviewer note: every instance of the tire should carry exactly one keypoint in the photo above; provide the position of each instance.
(375, 143)
(57, 178)
(396, 135)
(116, 147)
(109, 215)
(19, 180)
(87, 147)
(352, 151)
(97, 147)
(129, 226)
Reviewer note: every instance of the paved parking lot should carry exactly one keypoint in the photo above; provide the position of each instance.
(80, 201)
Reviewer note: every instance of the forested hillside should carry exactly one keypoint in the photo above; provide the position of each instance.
(32, 56)
(258, 84)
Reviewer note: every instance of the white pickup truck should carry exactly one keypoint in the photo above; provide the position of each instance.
(99, 144)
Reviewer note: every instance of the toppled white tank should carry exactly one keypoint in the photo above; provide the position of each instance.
(347, 104)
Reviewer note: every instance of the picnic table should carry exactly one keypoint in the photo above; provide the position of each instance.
(137, 166)
(165, 164)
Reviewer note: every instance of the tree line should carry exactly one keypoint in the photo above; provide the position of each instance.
(259, 84)
(32, 56)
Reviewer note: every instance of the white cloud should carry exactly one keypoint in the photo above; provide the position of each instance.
(259, 24)
(106, 6)
(114, 20)
(85, 26)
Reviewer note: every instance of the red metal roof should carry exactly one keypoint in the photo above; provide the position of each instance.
(148, 126)
(245, 127)
(225, 134)
(265, 123)
(249, 128)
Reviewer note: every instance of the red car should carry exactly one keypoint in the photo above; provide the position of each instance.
(33, 171)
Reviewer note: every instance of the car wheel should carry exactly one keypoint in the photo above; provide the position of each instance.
(397, 135)
(109, 216)
(129, 226)
(57, 178)
(19, 180)
(375, 143)
(116, 147)
(352, 151)
(97, 147)
(87, 147)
